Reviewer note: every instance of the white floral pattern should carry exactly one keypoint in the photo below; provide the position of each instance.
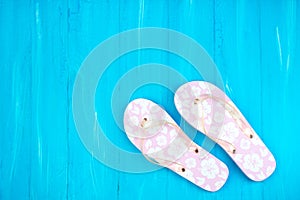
(201, 180)
(245, 144)
(177, 147)
(134, 120)
(189, 175)
(206, 107)
(161, 140)
(218, 117)
(196, 91)
(153, 150)
(253, 162)
(232, 127)
(202, 109)
(170, 148)
(230, 132)
(190, 162)
(148, 144)
(209, 168)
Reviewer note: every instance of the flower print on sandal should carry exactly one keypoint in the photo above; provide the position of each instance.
(209, 110)
(162, 142)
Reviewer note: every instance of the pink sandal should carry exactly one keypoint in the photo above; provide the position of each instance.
(162, 142)
(209, 110)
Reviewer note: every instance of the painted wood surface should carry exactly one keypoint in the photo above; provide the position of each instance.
(255, 45)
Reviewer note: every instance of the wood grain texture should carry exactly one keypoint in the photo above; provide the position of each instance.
(255, 45)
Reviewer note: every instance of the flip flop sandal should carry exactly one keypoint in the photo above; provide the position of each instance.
(162, 142)
(210, 111)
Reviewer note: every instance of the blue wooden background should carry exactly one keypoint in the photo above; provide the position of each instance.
(255, 44)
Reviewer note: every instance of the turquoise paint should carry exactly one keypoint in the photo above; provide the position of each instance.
(255, 45)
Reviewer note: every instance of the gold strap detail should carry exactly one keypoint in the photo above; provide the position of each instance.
(233, 111)
(160, 161)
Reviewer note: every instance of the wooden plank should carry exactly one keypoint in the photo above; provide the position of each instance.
(255, 45)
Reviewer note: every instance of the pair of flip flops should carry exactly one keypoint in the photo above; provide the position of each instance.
(210, 111)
